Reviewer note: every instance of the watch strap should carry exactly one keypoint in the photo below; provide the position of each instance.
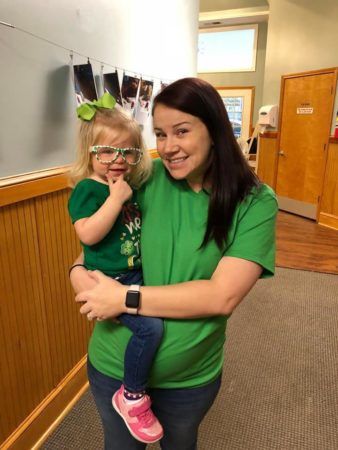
(134, 287)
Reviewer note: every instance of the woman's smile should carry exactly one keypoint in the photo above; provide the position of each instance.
(176, 161)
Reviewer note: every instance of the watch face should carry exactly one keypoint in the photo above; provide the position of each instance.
(133, 299)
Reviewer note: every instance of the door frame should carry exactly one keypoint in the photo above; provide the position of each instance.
(333, 70)
(251, 89)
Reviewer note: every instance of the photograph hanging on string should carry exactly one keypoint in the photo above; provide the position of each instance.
(163, 85)
(111, 84)
(84, 84)
(144, 100)
(129, 92)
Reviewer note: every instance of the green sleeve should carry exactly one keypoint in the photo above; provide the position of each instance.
(84, 201)
(254, 236)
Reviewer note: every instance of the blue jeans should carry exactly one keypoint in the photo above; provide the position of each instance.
(180, 411)
(142, 346)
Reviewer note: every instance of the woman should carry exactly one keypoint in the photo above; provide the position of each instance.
(207, 237)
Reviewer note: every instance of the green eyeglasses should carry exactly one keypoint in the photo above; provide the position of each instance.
(107, 154)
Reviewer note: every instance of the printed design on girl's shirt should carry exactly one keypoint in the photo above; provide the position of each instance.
(130, 245)
(127, 248)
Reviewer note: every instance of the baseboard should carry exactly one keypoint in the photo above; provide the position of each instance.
(36, 428)
(328, 220)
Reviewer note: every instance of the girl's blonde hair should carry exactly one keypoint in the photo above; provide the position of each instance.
(92, 132)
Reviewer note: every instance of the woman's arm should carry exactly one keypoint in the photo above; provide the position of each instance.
(93, 229)
(229, 284)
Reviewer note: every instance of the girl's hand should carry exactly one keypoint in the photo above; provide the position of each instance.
(120, 191)
(106, 300)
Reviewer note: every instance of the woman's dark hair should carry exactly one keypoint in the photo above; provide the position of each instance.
(230, 175)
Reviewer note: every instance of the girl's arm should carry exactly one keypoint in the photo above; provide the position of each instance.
(93, 229)
(229, 284)
(80, 277)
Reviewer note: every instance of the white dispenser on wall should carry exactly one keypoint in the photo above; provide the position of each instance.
(268, 115)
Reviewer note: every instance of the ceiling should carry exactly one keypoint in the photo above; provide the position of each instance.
(217, 13)
(218, 5)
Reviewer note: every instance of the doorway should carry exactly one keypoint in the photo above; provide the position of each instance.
(307, 104)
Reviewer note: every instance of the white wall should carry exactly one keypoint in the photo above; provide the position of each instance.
(302, 36)
(37, 113)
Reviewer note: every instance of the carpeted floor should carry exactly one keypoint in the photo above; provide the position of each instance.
(280, 379)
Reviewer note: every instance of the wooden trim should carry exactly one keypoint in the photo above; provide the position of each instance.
(328, 220)
(234, 87)
(17, 188)
(310, 72)
(46, 417)
(329, 194)
(252, 107)
(30, 176)
(267, 159)
(253, 90)
(327, 148)
(154, 154)
(333, 140)
(269, 135)
(280, 115)
(28, 189)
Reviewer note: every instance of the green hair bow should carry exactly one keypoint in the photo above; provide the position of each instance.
(86, 111)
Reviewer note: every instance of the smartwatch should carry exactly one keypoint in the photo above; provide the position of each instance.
(133, 298)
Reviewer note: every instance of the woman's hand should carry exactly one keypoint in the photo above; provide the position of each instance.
(105, 300)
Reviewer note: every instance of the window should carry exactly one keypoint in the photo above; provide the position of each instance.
(230, 49)
(234, 107)
(238, 102)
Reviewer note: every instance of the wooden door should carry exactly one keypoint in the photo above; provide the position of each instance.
(307, 104)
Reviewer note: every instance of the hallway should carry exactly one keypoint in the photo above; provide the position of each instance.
(303, 244)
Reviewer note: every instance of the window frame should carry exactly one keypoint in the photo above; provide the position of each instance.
(248, 94)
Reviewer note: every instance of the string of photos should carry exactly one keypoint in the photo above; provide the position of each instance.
(134, 93)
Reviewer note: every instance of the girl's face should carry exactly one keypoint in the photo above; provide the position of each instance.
(115, 138)
(183, 143)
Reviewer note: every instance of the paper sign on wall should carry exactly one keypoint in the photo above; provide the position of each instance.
(305, 110)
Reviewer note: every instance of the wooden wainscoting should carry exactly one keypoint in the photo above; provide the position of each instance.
(328, 215)
(267, 158)
(42, 335)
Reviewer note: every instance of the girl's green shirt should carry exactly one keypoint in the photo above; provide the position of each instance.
(119, 250)
(173, 226)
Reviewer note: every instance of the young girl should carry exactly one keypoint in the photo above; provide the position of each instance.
(111, 160)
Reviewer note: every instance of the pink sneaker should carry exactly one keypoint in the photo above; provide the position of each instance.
(138, 417)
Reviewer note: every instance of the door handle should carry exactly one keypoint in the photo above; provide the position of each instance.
(281, 153)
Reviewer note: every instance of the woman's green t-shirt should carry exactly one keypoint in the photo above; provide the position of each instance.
(173, 225)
